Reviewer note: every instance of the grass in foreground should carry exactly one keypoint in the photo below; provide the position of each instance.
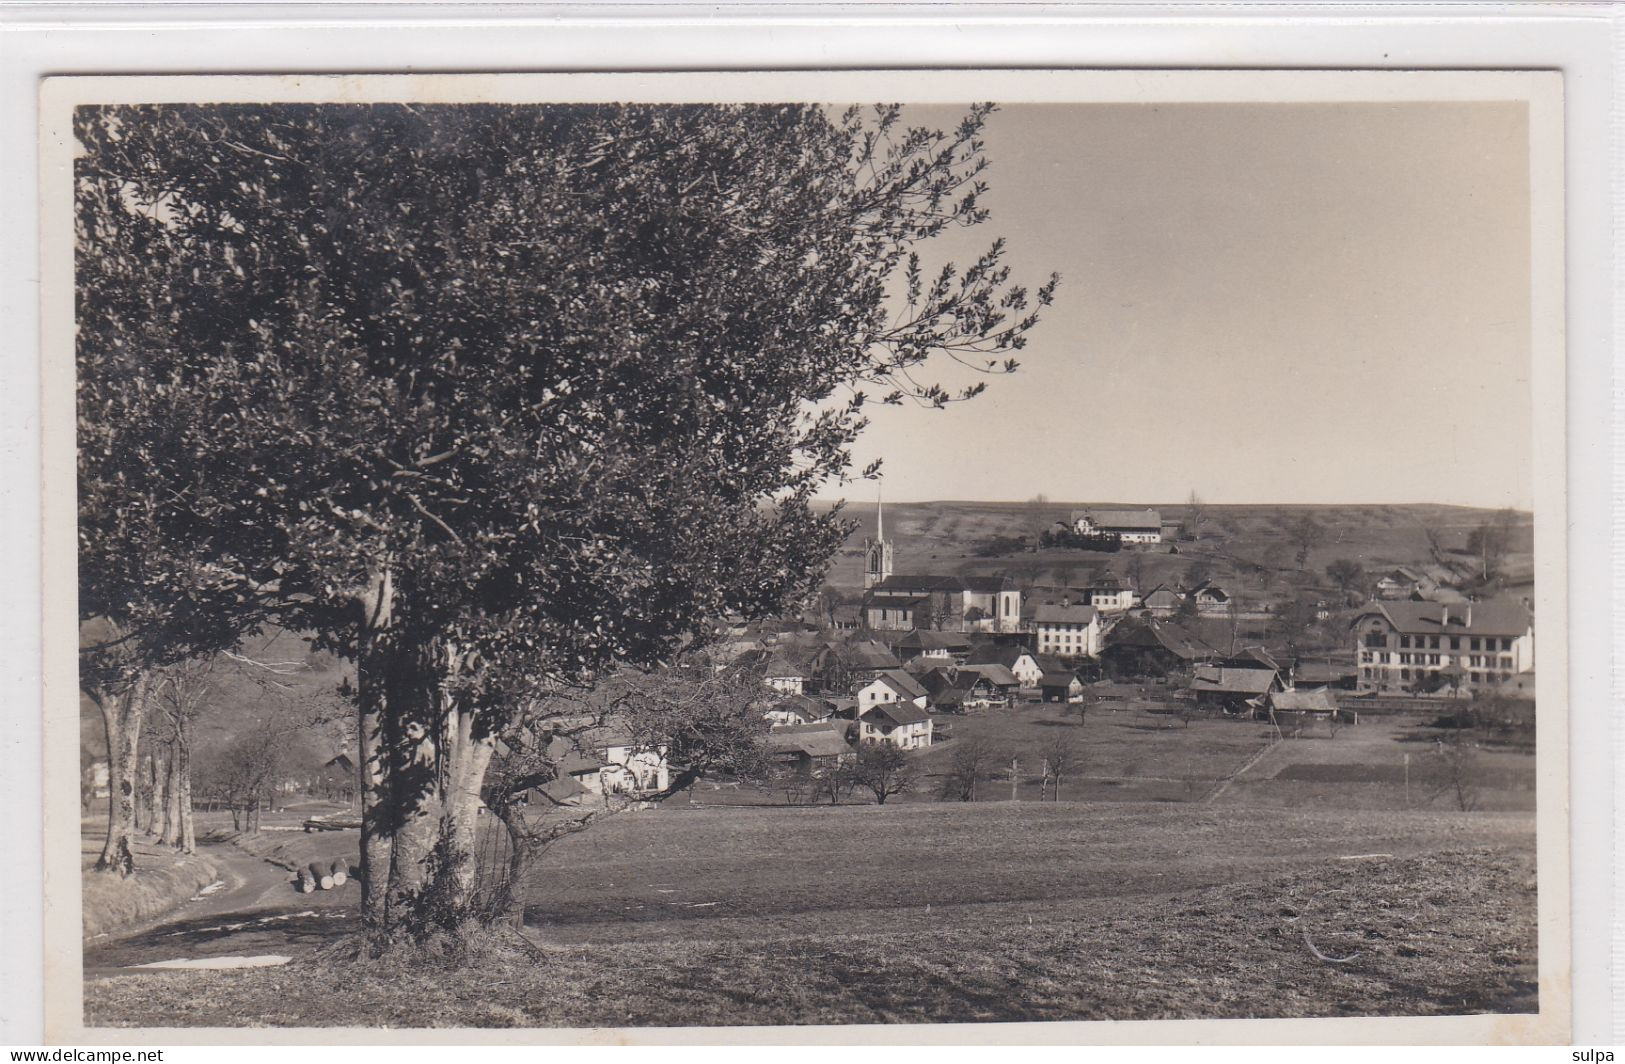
(1446, 933)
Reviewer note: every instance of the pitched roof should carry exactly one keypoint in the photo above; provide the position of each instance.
(867, 654)
(988, 584)
(1007, 655)
(1252, 657)
(898, 712)
(1046, 613)
(1155, 633)
(949, 695)
(1234, 681)
(995, 674)
(815, 740)
(1146, 520)
(1321, 672)
(1317, 701)
(926, 639)
(901, 682)
(1498, 617)
(808, 709)
(1059, 679)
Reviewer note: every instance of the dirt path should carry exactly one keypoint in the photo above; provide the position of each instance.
(256, 912)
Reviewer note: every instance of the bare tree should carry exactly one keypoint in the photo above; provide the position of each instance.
(1461, 775)
(884, 771)
(972, 761)
(1037, 517)
(1063, 755)
(1195, 515)
(1305, 534)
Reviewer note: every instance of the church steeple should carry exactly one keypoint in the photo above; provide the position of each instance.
(877, 553)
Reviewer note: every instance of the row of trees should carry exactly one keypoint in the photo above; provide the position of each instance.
(494, 402)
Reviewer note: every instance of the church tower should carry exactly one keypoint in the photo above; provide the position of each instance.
(877, 560)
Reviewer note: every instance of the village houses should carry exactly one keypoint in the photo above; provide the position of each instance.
(1131, 526)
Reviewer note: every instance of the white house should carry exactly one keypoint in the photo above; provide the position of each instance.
(1132, 526)
(904, 725)
(1472, 644)
(1067, 631)
(888, 687)
(1019, 660)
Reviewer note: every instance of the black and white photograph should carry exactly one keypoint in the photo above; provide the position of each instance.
(788, 551)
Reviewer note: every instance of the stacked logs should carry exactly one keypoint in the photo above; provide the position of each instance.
(320, 875)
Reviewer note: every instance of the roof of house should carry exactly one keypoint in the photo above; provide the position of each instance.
(1162, 593)
(1047, 613)
(1233, 681)
(1146, 520)
(949, 695)
(898, 712)
(1316, 701)
(563, 789)
(1155, 633)
(815, 740)
(994, 673)
(987, 584)
(1059, 679)
(808, 709)
(1211, 590)
(1252, 657)
(1494, 617)
(867, 654)
(901, 682)
(1321, 672)
(991, 654)
(926, 639)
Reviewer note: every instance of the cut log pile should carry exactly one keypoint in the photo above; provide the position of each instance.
(322, 875)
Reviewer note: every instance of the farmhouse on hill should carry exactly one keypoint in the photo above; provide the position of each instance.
(1132, 526)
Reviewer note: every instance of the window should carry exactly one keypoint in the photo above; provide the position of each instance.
(1434, 643)
(1477, 643)
(1455, 642)
(1506, 644)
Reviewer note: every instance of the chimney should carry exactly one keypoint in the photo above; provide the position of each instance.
(1469, 614)
(1444, 618)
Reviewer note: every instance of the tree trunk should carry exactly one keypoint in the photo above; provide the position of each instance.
(372, 704)
(121, 719)
(183, 796)
(467, 759)
(149, 812)
(172, 799)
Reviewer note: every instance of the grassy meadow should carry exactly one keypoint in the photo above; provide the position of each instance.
(951, 913)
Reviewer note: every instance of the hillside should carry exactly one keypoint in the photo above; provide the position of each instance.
(1237, 541)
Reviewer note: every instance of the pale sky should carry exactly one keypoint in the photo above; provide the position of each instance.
(1294, 303)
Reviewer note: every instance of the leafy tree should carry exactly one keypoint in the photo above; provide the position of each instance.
(494, 400)
(1346, 574)
(883, 770)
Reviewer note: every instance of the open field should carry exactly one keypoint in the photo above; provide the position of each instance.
(991, 911)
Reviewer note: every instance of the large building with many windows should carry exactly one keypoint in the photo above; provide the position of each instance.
(1428, 646)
